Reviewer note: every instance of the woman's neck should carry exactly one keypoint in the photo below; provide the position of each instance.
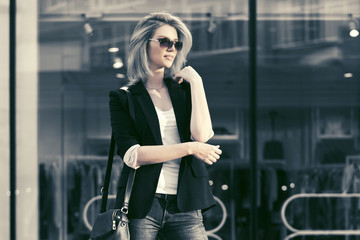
(156, 79)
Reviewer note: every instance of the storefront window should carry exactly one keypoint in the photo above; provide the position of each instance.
(70, 54)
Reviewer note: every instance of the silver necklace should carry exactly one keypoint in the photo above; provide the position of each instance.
(157, 89)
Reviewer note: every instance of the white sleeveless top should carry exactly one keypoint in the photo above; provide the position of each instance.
(168, 178)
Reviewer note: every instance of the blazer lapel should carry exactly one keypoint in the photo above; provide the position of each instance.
(143, 98)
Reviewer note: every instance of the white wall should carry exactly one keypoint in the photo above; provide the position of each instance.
(26, 120)
(4, 120)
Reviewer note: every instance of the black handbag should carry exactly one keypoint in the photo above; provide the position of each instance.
(112, 224)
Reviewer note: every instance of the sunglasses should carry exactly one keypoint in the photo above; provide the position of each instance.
(165, 42)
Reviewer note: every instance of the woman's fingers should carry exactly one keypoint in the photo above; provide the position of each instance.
(213, 155)
(179, 79)
(188, 74)
(217, 149)
(206, 152)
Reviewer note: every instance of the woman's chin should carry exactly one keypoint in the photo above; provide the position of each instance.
(168, 65)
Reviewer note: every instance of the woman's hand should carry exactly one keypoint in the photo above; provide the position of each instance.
(206, 152)
(188, 74)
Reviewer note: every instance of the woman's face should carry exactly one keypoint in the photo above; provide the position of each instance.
(162, 57)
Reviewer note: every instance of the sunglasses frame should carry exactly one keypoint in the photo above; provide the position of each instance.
(166, 42)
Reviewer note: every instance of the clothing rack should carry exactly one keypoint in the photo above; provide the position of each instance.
(323, 179)
(83, 178)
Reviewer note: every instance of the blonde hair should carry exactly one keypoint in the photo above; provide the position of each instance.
(137, 62)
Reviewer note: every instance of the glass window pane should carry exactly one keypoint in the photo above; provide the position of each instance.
(82, 58)
(308, 94)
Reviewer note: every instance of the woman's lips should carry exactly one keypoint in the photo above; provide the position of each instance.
(169, 57)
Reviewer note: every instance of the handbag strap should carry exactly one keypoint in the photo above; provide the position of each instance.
(105, 189)
(129, 185)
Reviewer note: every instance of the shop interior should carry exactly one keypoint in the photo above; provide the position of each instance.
(308, 73)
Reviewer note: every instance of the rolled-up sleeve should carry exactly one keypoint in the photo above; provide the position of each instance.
(122, 125)
(130, 157)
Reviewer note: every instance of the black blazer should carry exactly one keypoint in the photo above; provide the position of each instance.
(193, 191)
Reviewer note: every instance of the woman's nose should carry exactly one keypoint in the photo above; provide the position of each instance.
(172, 48)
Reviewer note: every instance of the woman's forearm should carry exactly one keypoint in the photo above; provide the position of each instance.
(200, 125)
(161, 153)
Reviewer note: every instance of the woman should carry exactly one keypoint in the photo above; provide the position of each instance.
(166, 143)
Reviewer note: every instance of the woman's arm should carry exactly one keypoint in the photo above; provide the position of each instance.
(125, 138)
(200, 123)
(162, 153)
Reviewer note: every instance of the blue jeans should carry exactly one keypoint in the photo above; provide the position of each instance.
(165, 221)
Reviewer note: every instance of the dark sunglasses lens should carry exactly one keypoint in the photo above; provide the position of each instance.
(165, 42)
(178, 45)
